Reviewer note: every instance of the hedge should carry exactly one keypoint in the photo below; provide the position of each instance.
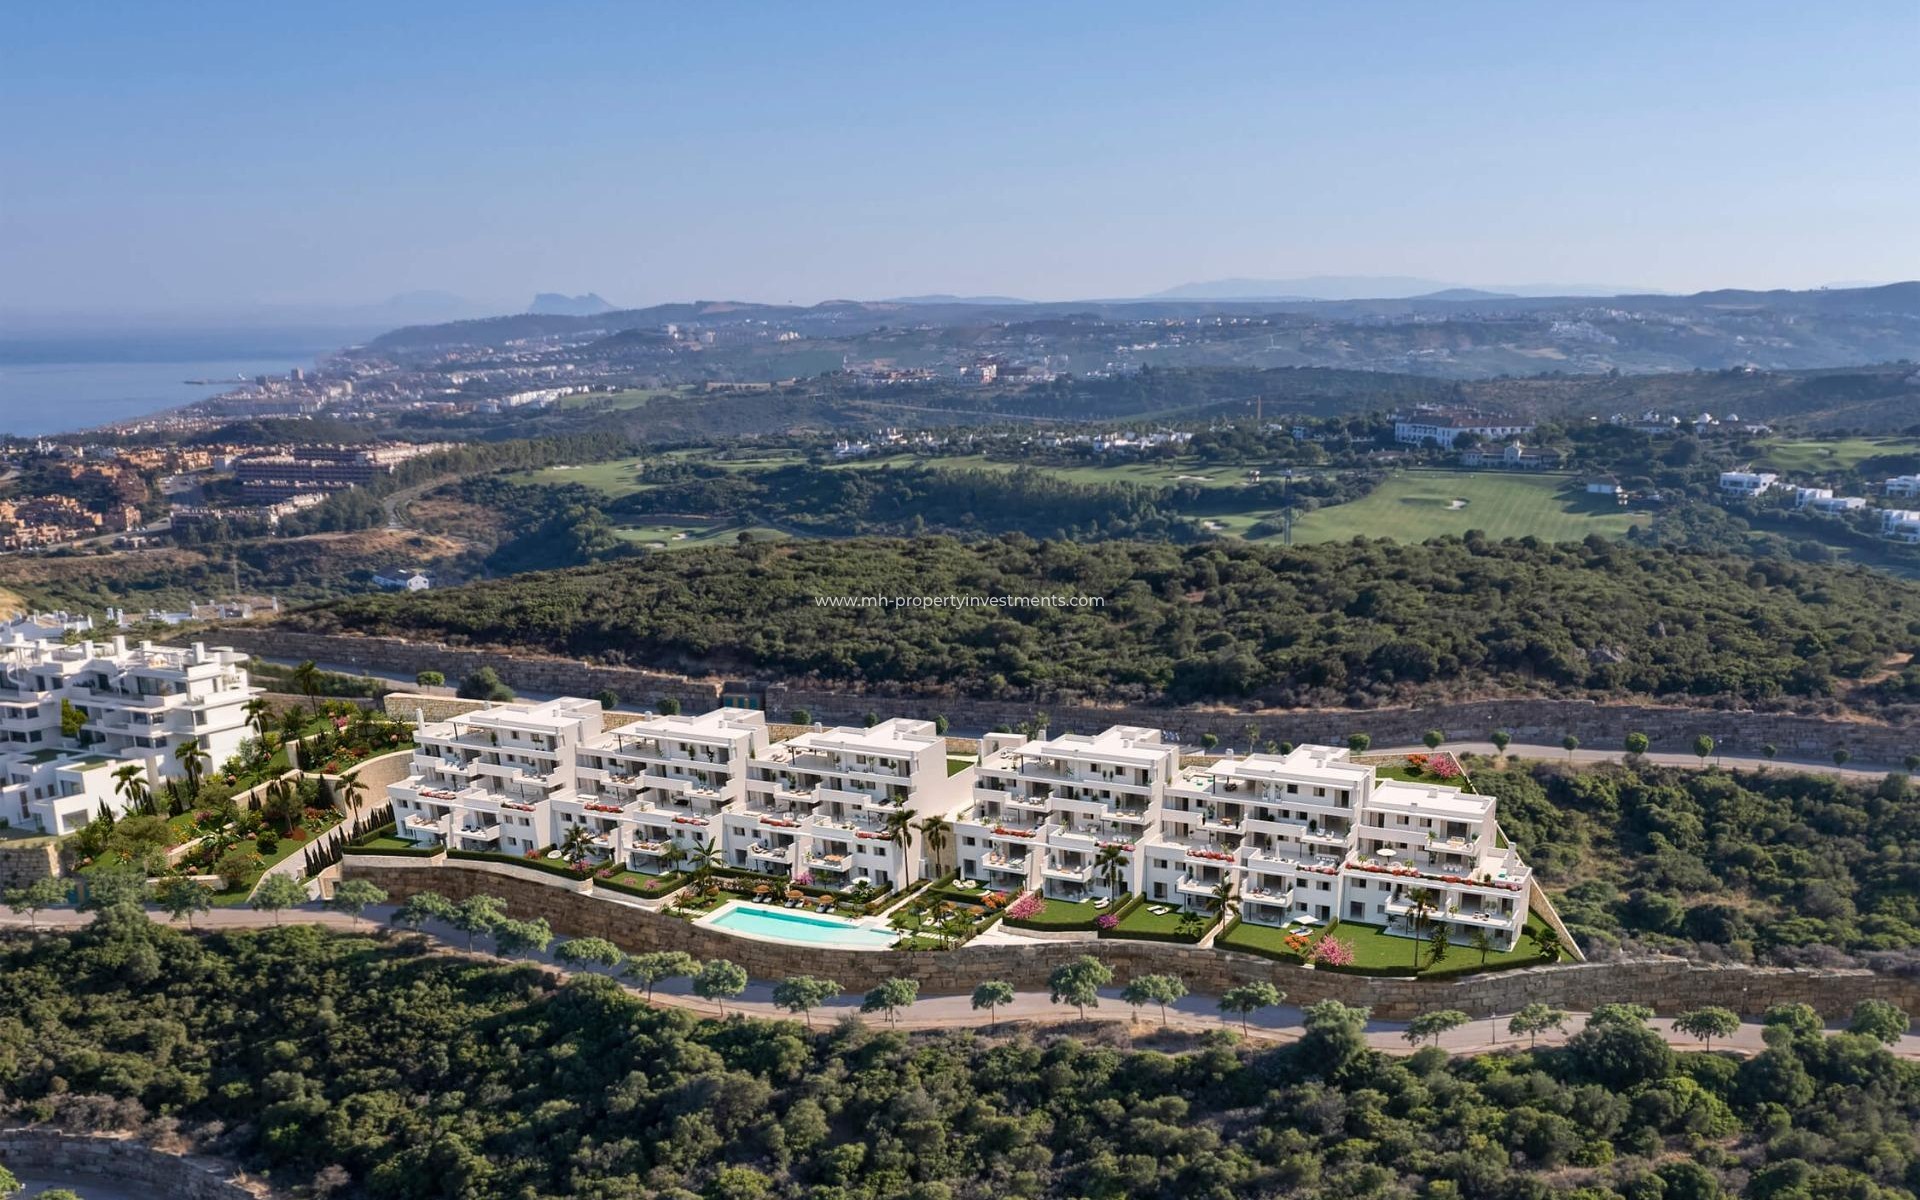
(538, 864)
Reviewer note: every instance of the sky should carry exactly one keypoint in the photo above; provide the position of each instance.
(225, 157)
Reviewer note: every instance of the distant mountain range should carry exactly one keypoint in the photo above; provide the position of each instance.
(560, 304)
(1376, 287)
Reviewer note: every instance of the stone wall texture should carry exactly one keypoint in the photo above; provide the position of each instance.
(1667, 985)
(1531, 721)
(22, 864)
(131, 1165)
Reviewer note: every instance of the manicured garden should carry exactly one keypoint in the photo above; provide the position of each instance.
(1374, 951)
(1061, 915)
(1174, 925)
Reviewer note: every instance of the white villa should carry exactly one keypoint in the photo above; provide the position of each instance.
(1904, 486)
(826, 803)
(1746, 483)
(139, 704)
(1061, 814)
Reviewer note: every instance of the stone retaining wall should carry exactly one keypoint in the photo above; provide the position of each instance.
(125, 1162)
(1668, 985)
(1531, 721)
(22, 864)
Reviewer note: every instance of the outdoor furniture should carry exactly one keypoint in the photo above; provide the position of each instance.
(1102, 902)
(1159, 910)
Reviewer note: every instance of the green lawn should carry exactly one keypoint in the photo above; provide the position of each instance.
(1162, 926)
(1836, 454)
(957, 765)
(616, 478)
(682, 535)
(388, 842)
(1068, 914)
(630, 398)
(1257, 939)
(1412, 506)
(1410, 775)
(1375, 950)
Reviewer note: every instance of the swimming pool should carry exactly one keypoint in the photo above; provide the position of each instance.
(782, 925)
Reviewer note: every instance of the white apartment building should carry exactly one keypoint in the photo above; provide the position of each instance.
(487, 780)
(652, 793)
(1314, 834)
(1902, 486)
(1900, 524)
(140, 703)
(819, 804)
(1067, 815)
(1444, 428)
(1746, 483)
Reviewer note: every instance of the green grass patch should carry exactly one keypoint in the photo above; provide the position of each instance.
(1815, 455)
(638, 883)
(957, 765)
(1063, 915)
(1171, 926)
(1412, 506)
(1263, 940)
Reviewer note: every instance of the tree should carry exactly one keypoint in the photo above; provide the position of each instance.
(1637, 743)
(283, 805)
(355, 896)
(1221, 901)
(1501, 740)
(661, 965)
(1249, 998)
(1432, 739)
(278, 892)
(1912, 763)
(1708, 1023)
(1842, 756)
(306, 680)
(1880, 1020)
(1428, 1026)
(1155, 989)
(1438, 943)
(1079, 982)
(705, 858)
(1569, 743)
(577, 846)
(515, 938)
(193, 764)
(668, 706)
(43, 893)
(477, 915)
(1702, 748)
(719, 981)
(422, 907)
(941, 724)
(73, 722)
(934, 835)
(890, 997)
(1546, 940)
(484, 684)
(590, 951)
(1110, 864)
(607, 698)
(182, 897)
(803, 994)
(800, 716)
(430, 679)
(1208, 741)
(130, 783)
(1420, 900)
(1358, 742)
(234, 868)
(1534, 1020)
(1478, 940)
(349, 792)
(898, 827)
(10, 1183)
(990, 996)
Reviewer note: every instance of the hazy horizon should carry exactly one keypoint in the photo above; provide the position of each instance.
(261, 160)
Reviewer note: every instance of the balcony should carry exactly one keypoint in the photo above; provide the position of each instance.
(1054, 869)
(1263, 894)
(767, 853)
(1190, 885)
(830, 862)
(1014, 863)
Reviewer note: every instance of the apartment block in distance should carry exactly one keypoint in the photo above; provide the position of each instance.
(651, 793)
(487, 780)
(1066, 815)
(824, 804)
(137, 703)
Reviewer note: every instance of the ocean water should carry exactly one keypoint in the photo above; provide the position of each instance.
(60, 384)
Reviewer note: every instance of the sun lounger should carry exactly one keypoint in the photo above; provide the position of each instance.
(1160, 910)
(1102, 902)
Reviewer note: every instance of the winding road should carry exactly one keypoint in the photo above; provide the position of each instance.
(1195, 1014)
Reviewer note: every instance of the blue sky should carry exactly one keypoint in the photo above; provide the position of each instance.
(213, 155)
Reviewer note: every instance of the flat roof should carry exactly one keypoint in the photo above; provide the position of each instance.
(1431, 799)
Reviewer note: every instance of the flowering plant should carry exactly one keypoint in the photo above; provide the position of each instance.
(1026, 907)
(803, 879)
(1332, 952)
(1107, 920)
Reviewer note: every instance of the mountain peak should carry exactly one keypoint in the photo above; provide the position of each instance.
(563, 305)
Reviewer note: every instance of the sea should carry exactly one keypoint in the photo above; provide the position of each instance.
(63, 383)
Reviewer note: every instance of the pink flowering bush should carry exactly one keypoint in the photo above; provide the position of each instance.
(1107, 920)
(1026, 907)
(1330, 951)
(1444, 766)
(803, 879)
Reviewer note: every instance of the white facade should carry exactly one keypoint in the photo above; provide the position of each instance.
(651, 794)
(1900, 524)
(139, 704)
(820, 804)
(1068, 815)
(1905, 486)
(1314, 834)
(487, 780)
(1444, 429)
(1746, 483)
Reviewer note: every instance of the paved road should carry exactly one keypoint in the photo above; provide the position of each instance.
(1283, 1023)
(1853, 770)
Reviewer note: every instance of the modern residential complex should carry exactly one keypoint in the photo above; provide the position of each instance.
(1065, 815)
(131, 704)
(833, 804)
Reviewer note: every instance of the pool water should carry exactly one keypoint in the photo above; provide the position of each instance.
(782, 925)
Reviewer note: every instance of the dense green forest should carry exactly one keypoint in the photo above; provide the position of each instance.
(1358, 623)
(1776, 866)
(382, 1069)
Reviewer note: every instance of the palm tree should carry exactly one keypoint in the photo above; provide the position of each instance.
(1221, 902)
(704, 860)
(283, 802)
(130, 782)
(577, 845)
(1111, 863)
(259, 716)
(349, 792)
(306, 677)
(933, 835)
(1422, 901)
(193, 762)
(900, 827)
